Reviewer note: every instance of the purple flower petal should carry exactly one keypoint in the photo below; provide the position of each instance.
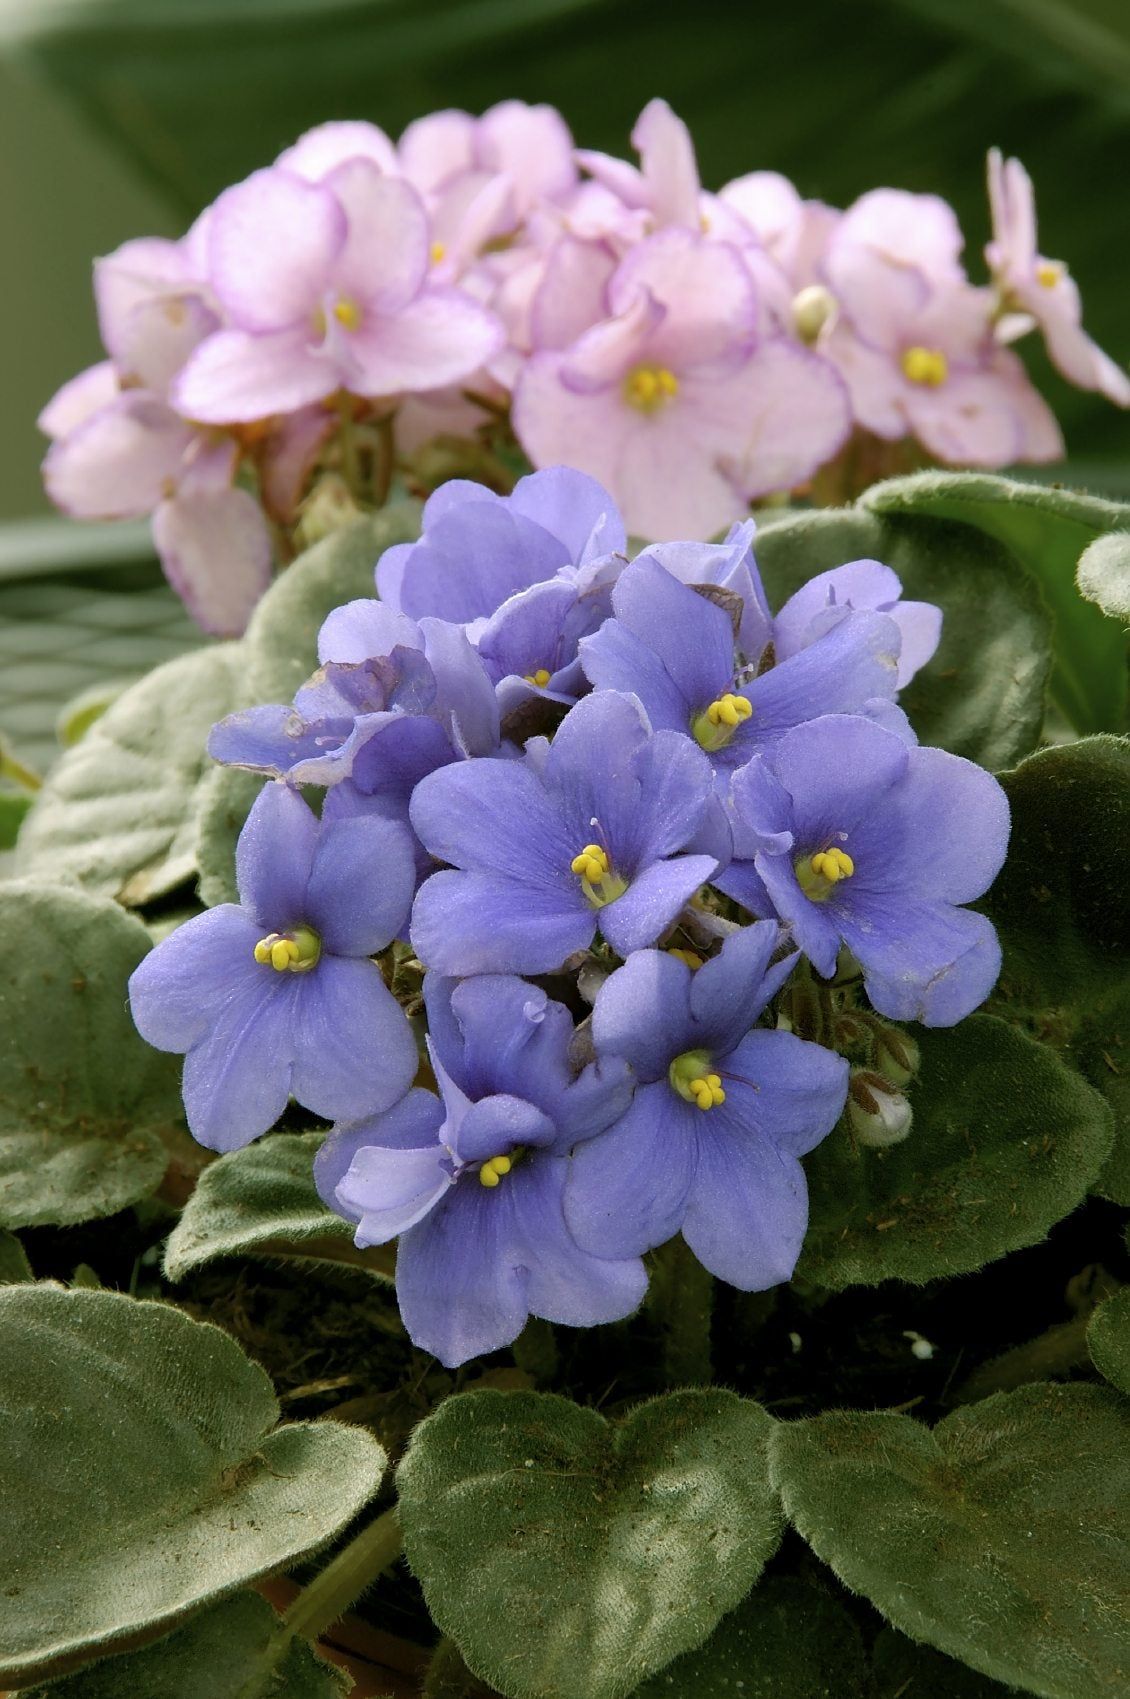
(799, 1088)
(627, 1190)
(495, 1125)
(922, 961)
(747, 1212)
(361, 885)
(274, 857)
(174, 990)
(237, 1077)
(565, 1284)
(643, 1013)
(477, 923)
(653, 901)
(387, 1190)
(729, 991)
(353, 1048)
(412, 1123)
(461, 1290)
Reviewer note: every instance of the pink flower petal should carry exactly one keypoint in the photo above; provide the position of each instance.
(710, 303)
(605, 353)
(670, 169)
(532, 145)
(327, 146)
(216, 553)
(434, 149)
(81, 396)
(970, 420)
(158, 336)
(272, 242)
(384, 258)
(234, 378)
(290, 456)
(135, 273)
(792, 415)
(572, 292)
(120, 462)
(437, 339)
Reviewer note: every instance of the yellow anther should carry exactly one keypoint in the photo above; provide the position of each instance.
(707, 1091)
(488, 1176)
(715, 726)
(541, 678)
(648, 388)
(1048, 273)
(819, 874)
(438, 252)
(927, 366)
(495, 1167)
(834, 864)
(292, 952)
(691, 957)
(592, 863)
(347, 313)
(691, 1076)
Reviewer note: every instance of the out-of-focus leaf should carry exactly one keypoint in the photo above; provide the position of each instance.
(14, 1266)
(1103, 575)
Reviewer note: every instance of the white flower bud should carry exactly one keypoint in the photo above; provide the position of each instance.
(813, 309)
(880, 1115)
(897, 1055)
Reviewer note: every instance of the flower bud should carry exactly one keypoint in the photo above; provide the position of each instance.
(813, 309)
(896, 1055)
(328, 507)
(879, 1114)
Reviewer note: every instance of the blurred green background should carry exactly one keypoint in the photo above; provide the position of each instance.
(125, 116)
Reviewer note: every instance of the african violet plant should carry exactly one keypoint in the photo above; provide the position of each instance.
(626, 976)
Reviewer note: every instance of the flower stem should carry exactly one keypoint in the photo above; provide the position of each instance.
(681, 1299)
(350, 460)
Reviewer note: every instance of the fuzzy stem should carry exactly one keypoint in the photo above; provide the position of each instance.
(347, 440)
(681, 1299)
(384, 460)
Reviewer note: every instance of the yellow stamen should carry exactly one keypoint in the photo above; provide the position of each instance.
(691, 957)
(495, 1167)
(290, 952)
(819, 875)
(690, 1075)
(716, 725)
(541, 678)
(591, 864)
(598, 882)
(1048, 273)
(927, 366)
(347, 313)
(648, 388)
(439, 252)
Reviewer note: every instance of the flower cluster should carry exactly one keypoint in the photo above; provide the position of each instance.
(361, 309)
(631, 854)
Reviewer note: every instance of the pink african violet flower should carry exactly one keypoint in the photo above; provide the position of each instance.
(672, 401)
(914, 342)
(325, 287)
(666, 184)
(1035, 288)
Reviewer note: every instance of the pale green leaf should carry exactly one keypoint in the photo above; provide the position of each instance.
(1108, 1339)
(14, 1266)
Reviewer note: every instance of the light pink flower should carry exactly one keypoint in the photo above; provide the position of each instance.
(325, 287)
(1037, 290)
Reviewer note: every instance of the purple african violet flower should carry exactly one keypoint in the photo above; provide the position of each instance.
(325, 286)
(827, 599)
(477, 548)
(473, 1184)
(853, 838)
(583, 835)
(275, 996)
(674, 649)
(673, 399)
(720, 1115)
(1037, 289)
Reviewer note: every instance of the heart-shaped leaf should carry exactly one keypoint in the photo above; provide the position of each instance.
(1062, 907)
(142, 1451)
(900, 1669)
(282, 638)
(982, 694)
(118, 811)
(569, 1557)
(1108, 1339)
(788, 1639)
(1046, 530)
(1103, 575)
(85, 1100)
(1000, 1537)
(1005, 1141)
(14, 1266)
(262, 1200)
(215, 1655)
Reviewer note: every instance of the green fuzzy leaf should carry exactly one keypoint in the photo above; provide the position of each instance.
(787, 1640)
(1005, 1141)
(1047, 530)
(569, 1558)
(14, 809)
(85, 1099)
(1000, 1538)
(282, 639)
(213, 1655)
(142, 1450)
(226, 795)
(902, 1670)
(1062, 908)
(257, 1201)
(1103, 574)
(117, 812)
(1108, 1339)
(14, 1266)
(982, 694)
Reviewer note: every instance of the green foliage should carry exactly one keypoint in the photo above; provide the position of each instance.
(1046, 530)
(282, 639)
(142, 1452)
(788, 1639)
(1108, 1339)
(117, 812)
(14, 808)
(998, 1538)
(85, 1100)
(255, 1200)
(226, 795)
(982, 694)
(1005, 1142)
(902, 1670)
(213, 1656)
(568, 1557)
(1103, 575)
(14, 1266)
(1062, 909)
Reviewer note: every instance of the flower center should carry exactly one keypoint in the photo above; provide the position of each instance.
(1049, 272)
(818, 875)
(438, 252)
(690, 957)
(598, 882)
(716, 725)
(495, 1167)
(290, 952)
(690, 1075)
(927, 366)
(649, 388)
(345, 310)
(541, 677)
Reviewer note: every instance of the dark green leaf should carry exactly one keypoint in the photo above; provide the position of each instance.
(999, 1538)
(142, 1451)
(982, 695)
(903, 1670)
(1047, 530)
(14, 1266)
(568, 1557)
(212, 1656)
(13, 811)
(1005, 1142)
(1108, 1339)
(118, 811)
(85, 1100)
(788, 1640)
